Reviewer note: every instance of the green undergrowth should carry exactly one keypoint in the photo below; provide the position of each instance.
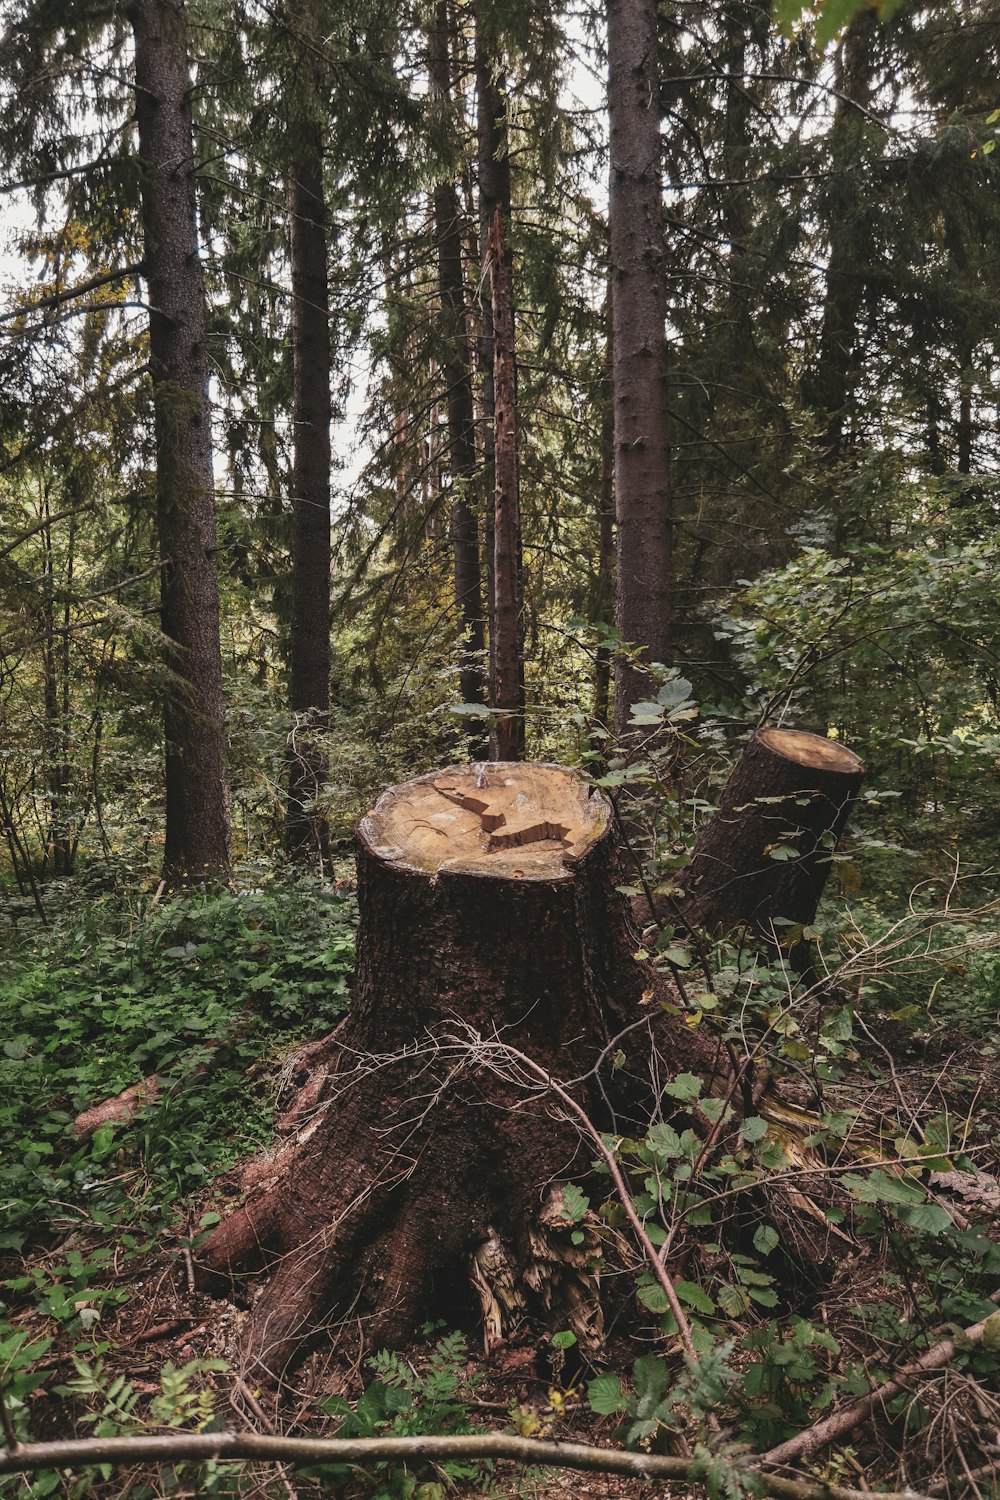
(200, 990)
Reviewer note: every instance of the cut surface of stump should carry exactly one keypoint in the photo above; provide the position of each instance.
(422, 1171)
(767, 851)
(529, 822)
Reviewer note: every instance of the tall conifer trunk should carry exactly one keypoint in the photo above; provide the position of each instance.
(642, 481)
(493, 165)
(508, 652)
(493, 160)
(827, 387)
(462, 463)
(306, 832)
(197, 844)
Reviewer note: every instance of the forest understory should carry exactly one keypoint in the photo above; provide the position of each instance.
(499, 749)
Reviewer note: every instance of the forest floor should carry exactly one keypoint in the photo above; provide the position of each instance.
(103, 1332)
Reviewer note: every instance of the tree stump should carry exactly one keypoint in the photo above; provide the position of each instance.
(419, 1178)
(766, 853)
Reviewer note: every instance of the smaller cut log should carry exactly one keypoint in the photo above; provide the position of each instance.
(766, 853)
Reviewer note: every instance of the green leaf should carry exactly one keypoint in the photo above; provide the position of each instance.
(652, 1380)
(606, 1395)
(565, 1339)
(880, 1187)
(664, 1142)
(753, 1129)
(733, 1300)
(765, 1239)
(684, 1088)
(692, 1295)
(674, 692)
(653, 1297)
(929, 1218)
(575, 1203)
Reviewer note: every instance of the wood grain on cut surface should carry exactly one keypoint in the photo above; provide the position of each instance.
(495, 818)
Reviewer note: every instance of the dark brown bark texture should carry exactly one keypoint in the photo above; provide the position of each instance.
(789, 795)
(197, 794)
(829, 386)
(508, 653)
(493, 167)
(457, 368)
(306, 831)
(642, 481)
(410, 1154)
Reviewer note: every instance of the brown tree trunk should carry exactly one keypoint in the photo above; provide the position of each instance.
(421, 1160)
(642, 481)
(493, 164)
(508, 653)
(462, 462)
(197, 843)
(828, 386)
(766, 853)
(307, 834)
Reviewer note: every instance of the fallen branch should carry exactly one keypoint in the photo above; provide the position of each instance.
(808, 1442)
(272, 1448)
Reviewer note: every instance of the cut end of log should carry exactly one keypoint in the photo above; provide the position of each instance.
(513, 820)
(812, 750)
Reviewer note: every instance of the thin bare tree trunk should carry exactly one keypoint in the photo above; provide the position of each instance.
(642, 481)
(197, 843)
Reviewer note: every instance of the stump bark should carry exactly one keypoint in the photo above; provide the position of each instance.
(767, 852)
(418, 1179)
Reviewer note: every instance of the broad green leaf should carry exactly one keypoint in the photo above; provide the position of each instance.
(684, 1088)
(765, 1239)
(929, 1218)
(692, 1295)
(606, 1395)
(753, 1129)
(664, 1142)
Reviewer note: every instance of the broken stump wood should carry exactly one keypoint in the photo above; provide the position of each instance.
(767, 852)
(422, 1176)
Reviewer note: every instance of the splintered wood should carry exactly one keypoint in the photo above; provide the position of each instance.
(512, 820)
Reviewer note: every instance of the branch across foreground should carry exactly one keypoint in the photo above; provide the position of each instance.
(267, 1448)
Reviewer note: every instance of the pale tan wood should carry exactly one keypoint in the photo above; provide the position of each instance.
(811, 749)
(520, 820)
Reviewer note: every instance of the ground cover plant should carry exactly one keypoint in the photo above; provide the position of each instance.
(886, 1126)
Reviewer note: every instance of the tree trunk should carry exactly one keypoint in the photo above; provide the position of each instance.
(828, 387)
(462, 462)
(493, 164)
(493, 161)
(766, 853)
(508, 653)
(423, 1170)
(197, 843)
(307, 834)
(642, 481)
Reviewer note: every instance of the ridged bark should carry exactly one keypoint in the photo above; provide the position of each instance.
(828, 386)
(306, 831)
(642, 481)
(457, 366)
(197, 842)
